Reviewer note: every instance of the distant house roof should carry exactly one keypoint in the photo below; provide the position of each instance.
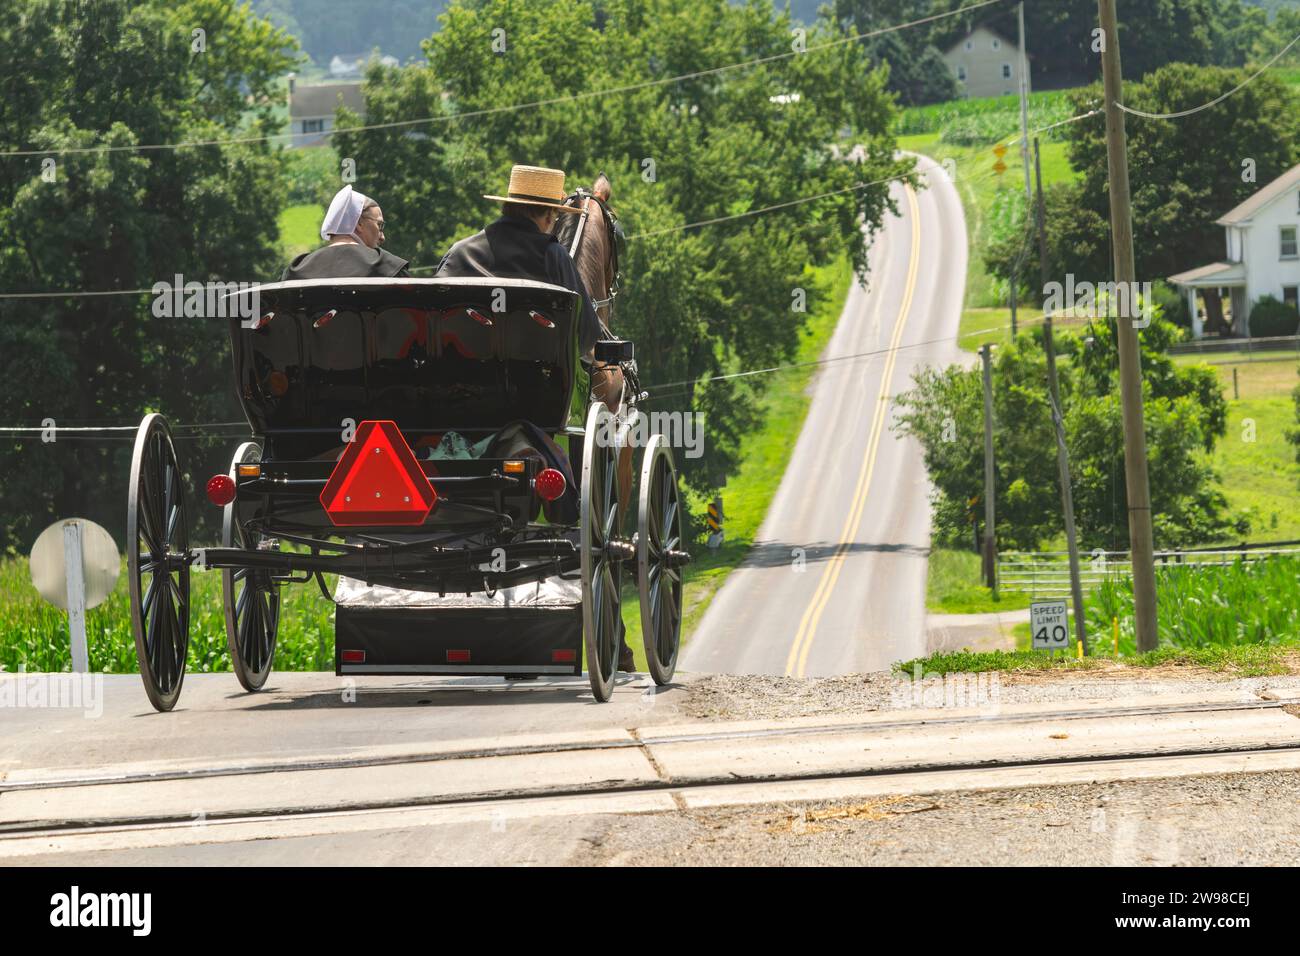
(1244, 212)
(1214, 275)
(323, 100)
(987, 29)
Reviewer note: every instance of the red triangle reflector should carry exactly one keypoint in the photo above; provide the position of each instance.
(378, 481)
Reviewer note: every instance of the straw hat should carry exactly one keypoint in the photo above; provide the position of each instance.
(536, 186)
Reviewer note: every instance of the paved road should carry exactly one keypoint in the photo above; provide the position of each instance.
(854, 500)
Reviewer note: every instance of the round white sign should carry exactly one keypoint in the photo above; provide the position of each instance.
(100, 563)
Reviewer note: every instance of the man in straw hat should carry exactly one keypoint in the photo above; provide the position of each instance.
(519, 244)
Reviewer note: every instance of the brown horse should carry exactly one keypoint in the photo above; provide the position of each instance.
(590, 240)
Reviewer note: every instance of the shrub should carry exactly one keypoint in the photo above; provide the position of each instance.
(1270, 317)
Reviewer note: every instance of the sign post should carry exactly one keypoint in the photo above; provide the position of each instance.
(72, 561)
(74, 565)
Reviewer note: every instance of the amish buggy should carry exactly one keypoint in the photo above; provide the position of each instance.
(435, 444)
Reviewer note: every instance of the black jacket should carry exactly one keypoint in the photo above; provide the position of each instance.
(347, 260)
(514, 248)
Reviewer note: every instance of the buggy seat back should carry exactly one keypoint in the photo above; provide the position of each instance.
(433, 355)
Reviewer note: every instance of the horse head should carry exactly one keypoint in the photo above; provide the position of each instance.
(593, 240)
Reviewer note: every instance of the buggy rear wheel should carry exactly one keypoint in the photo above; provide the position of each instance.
(658, 554)
(158, 562)
(600, 553)
(250, 598)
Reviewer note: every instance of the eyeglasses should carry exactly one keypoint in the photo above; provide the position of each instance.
(377, 222)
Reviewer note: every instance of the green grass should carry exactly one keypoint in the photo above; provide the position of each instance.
(34, 634)
(300, 229)
(1255, 461)
(764, 455)
(953, 586)
(1249, 660)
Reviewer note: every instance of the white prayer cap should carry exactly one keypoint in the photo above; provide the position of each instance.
(344, 213)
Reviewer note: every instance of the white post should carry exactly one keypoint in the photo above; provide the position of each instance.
(1197, 328)
(76, 596)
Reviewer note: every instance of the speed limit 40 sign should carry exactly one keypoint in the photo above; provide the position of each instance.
(1049, 625)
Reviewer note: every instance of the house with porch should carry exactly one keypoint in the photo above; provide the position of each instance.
(1261, 257)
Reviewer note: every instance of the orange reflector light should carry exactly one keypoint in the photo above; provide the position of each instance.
(567, 656)
(250, 471)
(458, 657)
(378, 481)
(514, 467)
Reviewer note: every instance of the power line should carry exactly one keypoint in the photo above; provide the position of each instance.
(1218, 99)
(534, 104)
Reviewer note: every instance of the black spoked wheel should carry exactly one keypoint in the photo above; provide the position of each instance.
(659, 557)
(250, 598)
(600, 552)
(158, 563)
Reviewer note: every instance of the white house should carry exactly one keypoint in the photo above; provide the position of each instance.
(312, 108)
(985, 63)
(1262, 256)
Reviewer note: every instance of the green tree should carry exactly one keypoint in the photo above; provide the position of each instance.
(699, 302)
(117, 74)
(1185, 416)
(917, 71)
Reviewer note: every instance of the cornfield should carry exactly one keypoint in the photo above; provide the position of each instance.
(1236, 604)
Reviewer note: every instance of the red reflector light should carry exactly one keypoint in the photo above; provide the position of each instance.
(354, 657)
(378, 481)
(221, 490)
(568, 656)
(549, 484)
(458, 657)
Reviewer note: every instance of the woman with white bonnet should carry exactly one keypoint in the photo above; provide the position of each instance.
(354, 230)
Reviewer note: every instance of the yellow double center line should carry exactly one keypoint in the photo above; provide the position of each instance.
(797, 661)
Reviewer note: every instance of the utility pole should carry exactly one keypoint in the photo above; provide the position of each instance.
(1014, 280)
(1058, 428)
(1040, 219)
(1023, 67)
(990, 541)
(1136, 483)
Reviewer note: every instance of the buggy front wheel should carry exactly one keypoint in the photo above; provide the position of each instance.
(602, 553)
(158, 562)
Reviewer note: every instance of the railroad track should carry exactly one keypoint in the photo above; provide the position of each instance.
(670, 767)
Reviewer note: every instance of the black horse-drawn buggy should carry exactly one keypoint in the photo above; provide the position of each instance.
(433, 443)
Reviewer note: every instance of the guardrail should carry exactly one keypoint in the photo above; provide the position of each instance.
(1047, 573)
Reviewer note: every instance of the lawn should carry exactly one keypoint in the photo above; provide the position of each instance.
(953, 586)
(1254, 460)
(300, 229)
(764, 455)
